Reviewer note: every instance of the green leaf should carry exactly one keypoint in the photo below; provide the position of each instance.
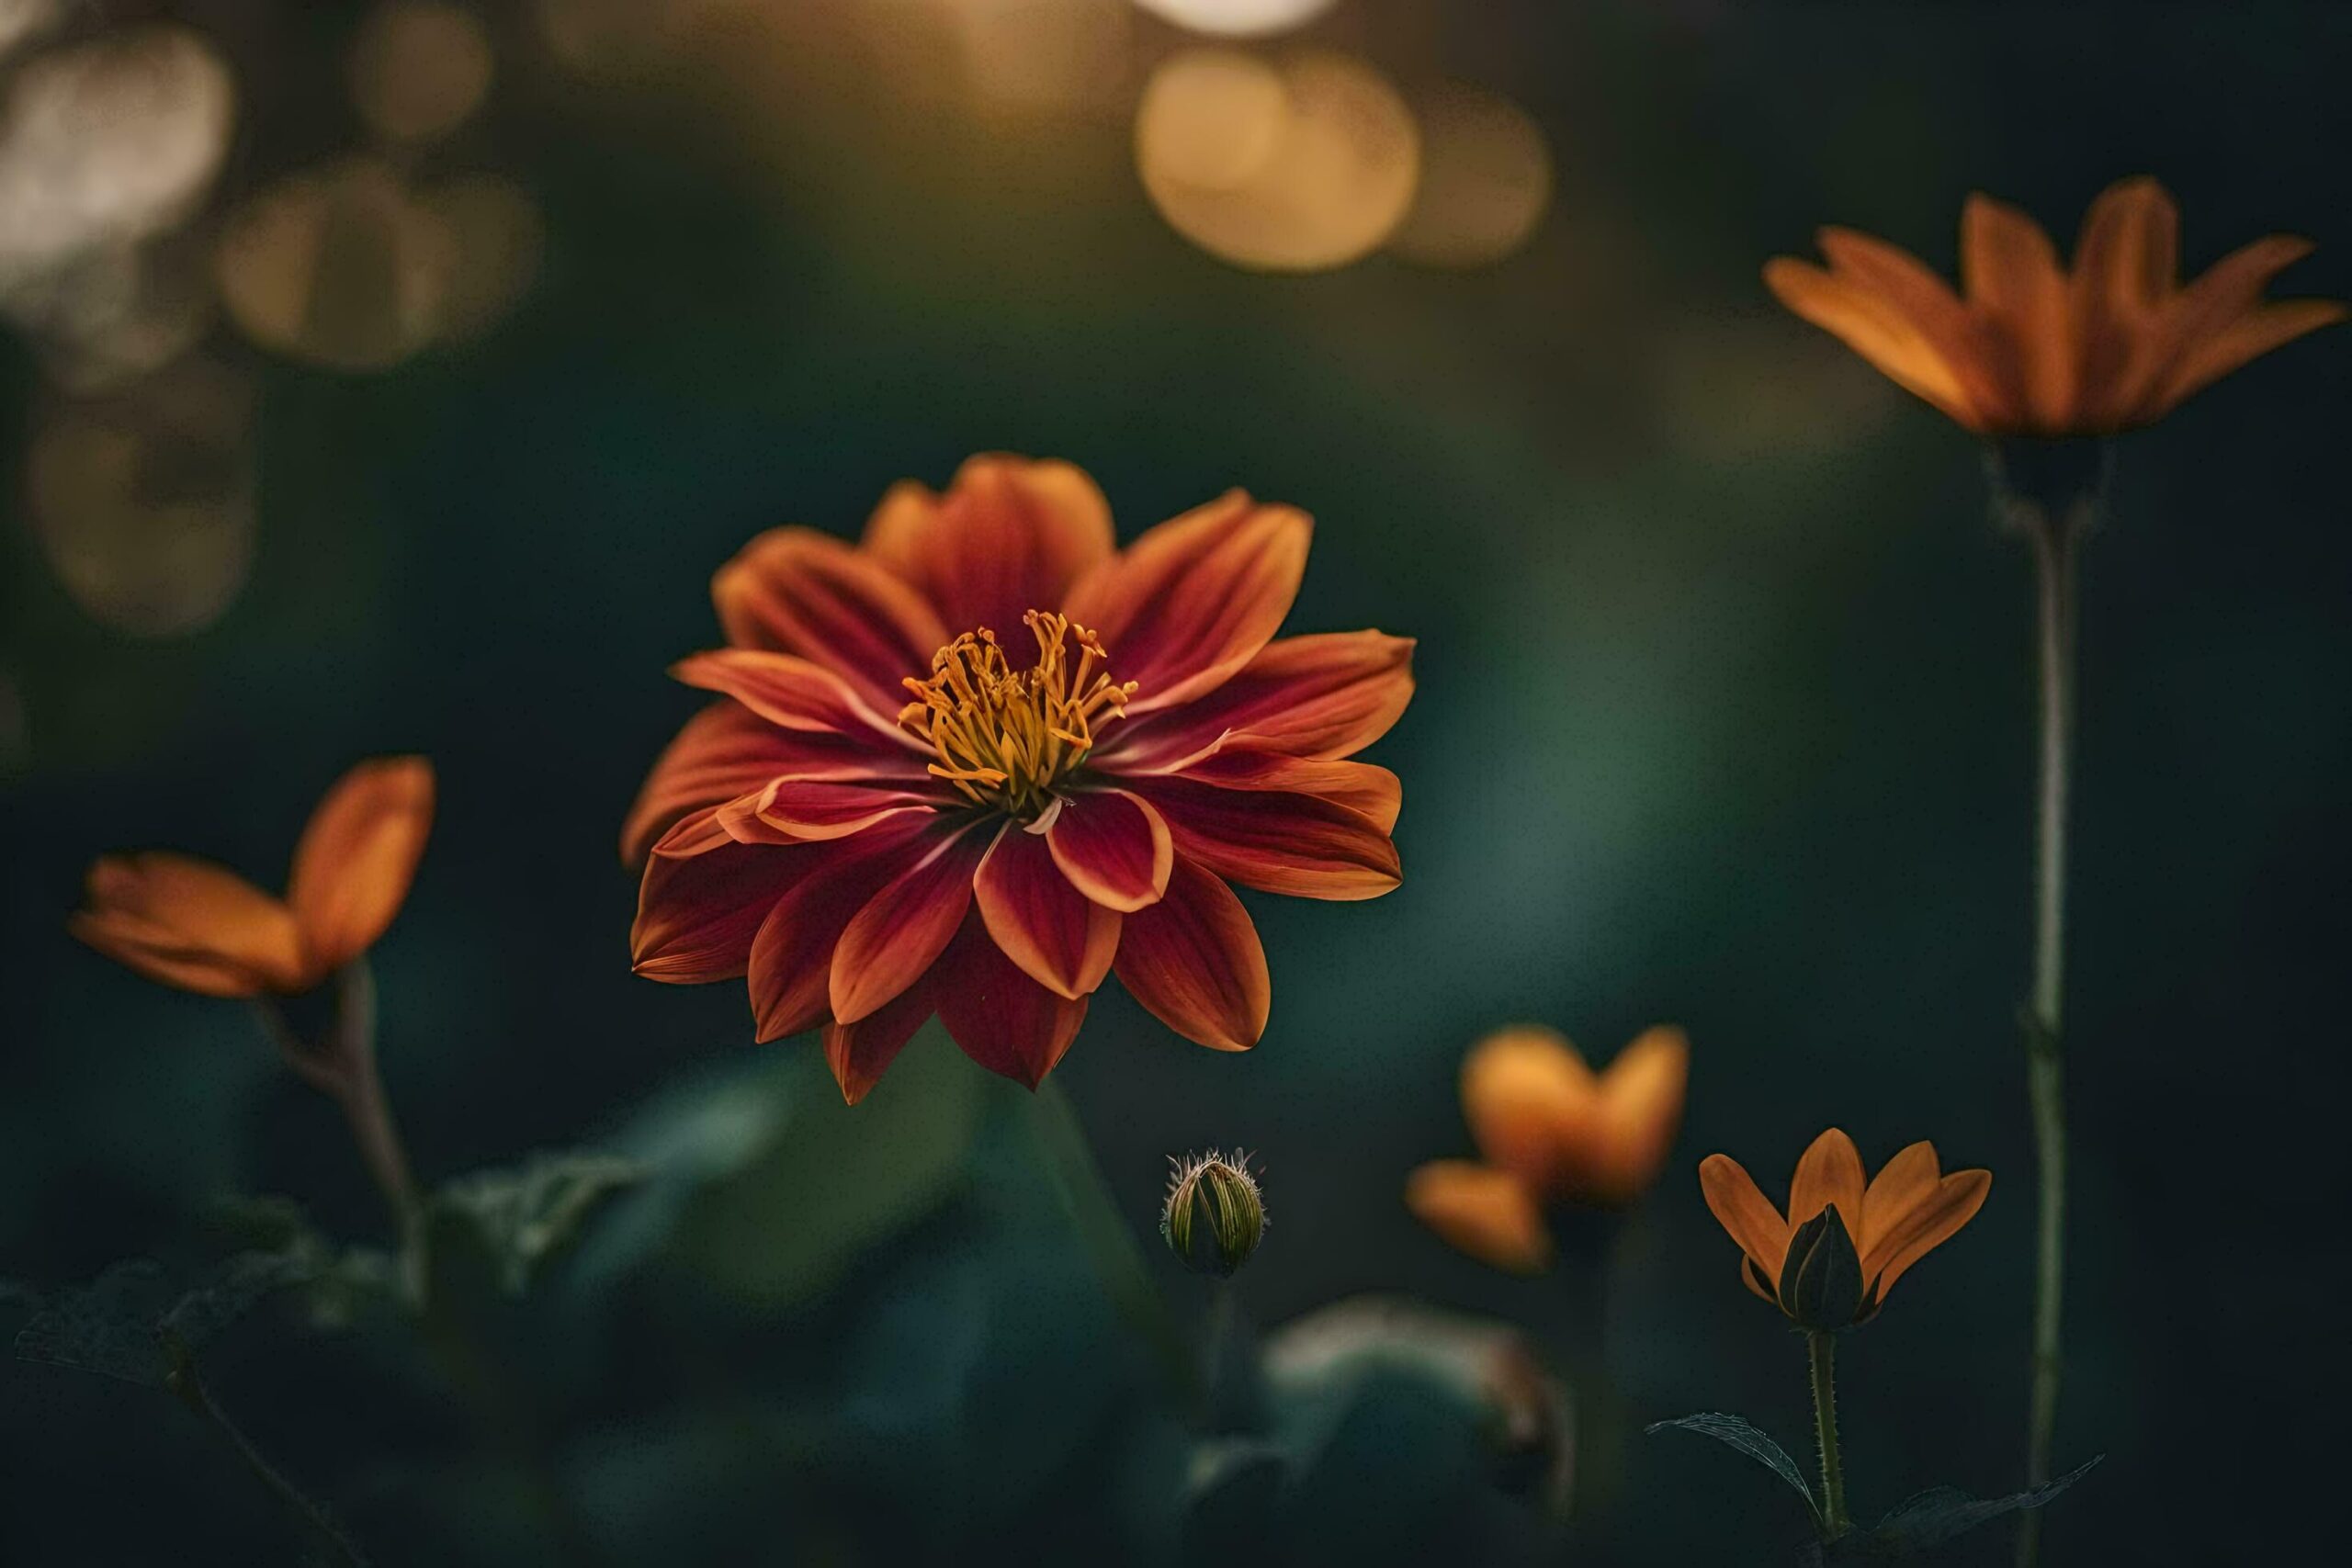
(524, 1217)
(1931, 1517)
(1748, 1439)
(120, 1324)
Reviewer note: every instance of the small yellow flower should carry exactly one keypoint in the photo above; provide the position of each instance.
(2033, 348)
(1830, 1260)
(1551, 1131)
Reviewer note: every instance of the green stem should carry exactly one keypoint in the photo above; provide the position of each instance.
(2055, 544)
(183, 1381)
(1109, 1243)
(1823, 1353)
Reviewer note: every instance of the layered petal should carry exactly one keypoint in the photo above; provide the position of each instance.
(191, 923)
(999, 1016)
(357, 856)
(1829, 1171)
(2017, 290)
(1327, 696)
(1276, 841)
(725, 751)
(1056, 935)
(906, 925)
(811, 811)
(1010, 535)
(2248, 337)
(791, 956)
(860, 1053)
(1901, 1185)
(1193, 961)
(1747, 1217)
(1113, 847)
(1895, 347)
(1529, 1099)
(697, 914)
(800, 695)
(1486, 1213)
(1193, 600)
(798, 591)
(1927, 1226)
(1369, 792)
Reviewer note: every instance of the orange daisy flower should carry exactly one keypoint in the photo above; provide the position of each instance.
(981, 761)
(1831, 1259)
(1551, 1131)
(190, 923)
(2035, 349)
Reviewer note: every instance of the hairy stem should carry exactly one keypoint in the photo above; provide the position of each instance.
(1823, 1353)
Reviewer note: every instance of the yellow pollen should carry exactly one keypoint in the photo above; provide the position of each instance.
(1006, 737)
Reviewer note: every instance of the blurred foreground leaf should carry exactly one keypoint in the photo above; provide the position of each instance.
(125, 1323)
(1748, 1439)
(522, 1218)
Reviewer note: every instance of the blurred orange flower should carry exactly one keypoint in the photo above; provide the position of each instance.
(1551, 1131)
(1098, 741)
(1831, 1259)
(2034, 349)
(190, 923)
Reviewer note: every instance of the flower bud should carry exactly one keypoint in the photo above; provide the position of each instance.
(1821, 1283)
(1215, 1213)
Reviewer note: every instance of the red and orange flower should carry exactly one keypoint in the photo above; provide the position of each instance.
(983, 760)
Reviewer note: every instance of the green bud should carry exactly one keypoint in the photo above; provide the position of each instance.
(1214, 1214)
(1821, 1283)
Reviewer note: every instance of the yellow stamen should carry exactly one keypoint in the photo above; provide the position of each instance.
(1006, 738)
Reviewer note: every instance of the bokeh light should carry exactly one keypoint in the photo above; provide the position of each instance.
(419, 68)
(1298, 166)
(1486, 180)
(1237, 18)
(1039, 56)
(21, 20)
(108, 143)
(498, 235)
(116, 313)
(143, 499)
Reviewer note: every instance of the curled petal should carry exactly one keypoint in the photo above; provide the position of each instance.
(1746, 1216)
(792, 950)
(1060, 938)
(807, 810)
(1486, 1213)
(726, 750)
(1927, 1226)
(1193, 600)
(999, 1016)
(180, 919)
(785, 689)
(905, 926)
(1368, 791)
(796, 591)
(1113, 847)
(1010, 535)
(1829, 1171)
(1329, 695)
(1531, 1103)
(1276, 841)
(1193, 961)
(357, 856)
(859, 1053)
(697, 914)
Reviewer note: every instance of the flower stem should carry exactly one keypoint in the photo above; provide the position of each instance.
(1823, 1352)
(342, 1066)
(2056, 542)
(184, 1382)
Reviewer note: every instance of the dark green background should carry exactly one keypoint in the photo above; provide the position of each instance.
(1723, 720)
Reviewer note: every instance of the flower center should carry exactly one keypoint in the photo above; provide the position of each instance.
(1006, 737)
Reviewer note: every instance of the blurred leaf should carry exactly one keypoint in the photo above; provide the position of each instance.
(117, 1325)
(1750, 1440)
(339, 1281)
(1232, 1489)
(1931, 1517)
(523, 1217)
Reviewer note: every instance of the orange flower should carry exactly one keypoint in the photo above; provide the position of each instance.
(193, 924)
(1551, 1131)
(1098, 741)
(1832, 1259)
(2036, 350)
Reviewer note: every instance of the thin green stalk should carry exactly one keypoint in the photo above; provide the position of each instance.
(186, 1383)
(1109, 1241)
(2055, 546)
(1822, 1351)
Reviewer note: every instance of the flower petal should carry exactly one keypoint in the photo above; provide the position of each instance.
(2249, 337)
(726, 750)
(1060, 938)
(1927, 1227)
(906, 925)
(859, 1053)
(792, 952)
(1486, 1213)
(2123, 289)
(2018, 291)
(1531, 1103)
(1113, 847)
(1368, 791)
(1745, 1215)
(1640, 1097)
(1276, 841)
(1901, 1185)
(795, 693)
(697, 914)
(1010, 535)
(1869, 325)
(1193, 961)
(1329, 695)
(808, 810)
(358, 855)
(999, 1016)
(1830, 1171)
(125, 941)
(1193, 600)
(798, 591)
(194, 918)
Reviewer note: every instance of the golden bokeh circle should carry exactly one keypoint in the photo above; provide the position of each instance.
(419, 69)
(1486, 180)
